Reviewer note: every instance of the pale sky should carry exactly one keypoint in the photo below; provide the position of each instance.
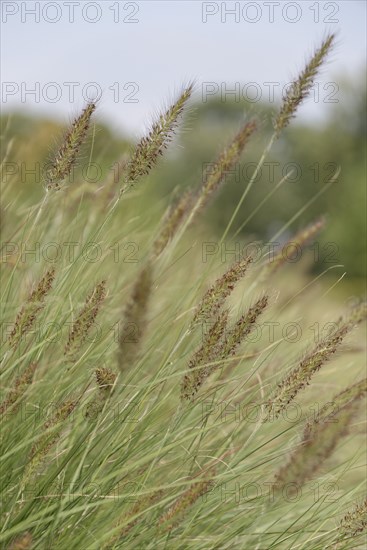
(140, 53)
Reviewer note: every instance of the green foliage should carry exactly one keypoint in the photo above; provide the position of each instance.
(97, 448)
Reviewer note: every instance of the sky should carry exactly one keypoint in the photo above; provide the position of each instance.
(137, 55)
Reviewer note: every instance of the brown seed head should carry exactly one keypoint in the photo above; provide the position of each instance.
(85, 320)
(33, 305)
(216, 173)
(198, 489)
(67, 154)
(151, 147)
(300, 88)
(215, 297)
(135, 318)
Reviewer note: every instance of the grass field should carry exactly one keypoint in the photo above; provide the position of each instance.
(159, 392)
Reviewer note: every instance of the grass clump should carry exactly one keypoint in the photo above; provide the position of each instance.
(168, 430)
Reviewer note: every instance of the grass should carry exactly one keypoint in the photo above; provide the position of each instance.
(151, 399)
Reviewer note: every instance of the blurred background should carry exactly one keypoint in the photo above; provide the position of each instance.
(136, 56)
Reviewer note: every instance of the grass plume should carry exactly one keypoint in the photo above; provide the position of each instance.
(23, 542)
(217, 171)
(216, 295)
(33, 305)
(134, 319)
(105, 378)
(139, 507)
(85, 320)
(209, 351)
(297, 242)
(171, 223)
(300, 88)
(219, 343)
(67, 154)
(18, 388)
(243, 326)
(300, 376)
(152, 146)
(354, 522)
(52, 430)
(321, 436)
(196, 490)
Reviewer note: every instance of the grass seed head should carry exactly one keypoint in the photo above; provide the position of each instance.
(344, 399)
(301, 375)
(151, 147)
(210, 351)
(34, 304)
(298, 241)
(135, 318)
(354, 522)
(243, 326)
(174, 218)
(215, 297)
(105, 378)
(53, 429)
(85, 320)
(196, 490)
(219, 343)
(67, 154)
(216, 174)
(321, 436)
(23, 542)
(300, 88)
(19, 387)
(140, 505)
